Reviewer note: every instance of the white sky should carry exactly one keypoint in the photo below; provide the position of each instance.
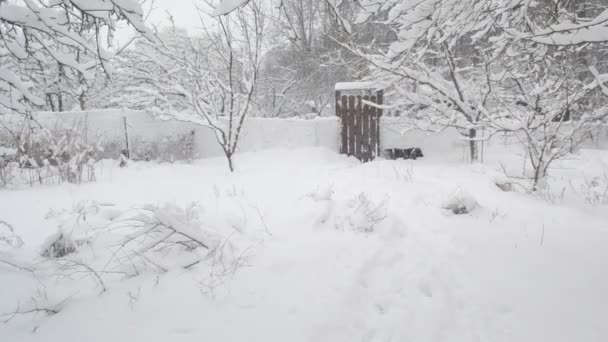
(184, 13)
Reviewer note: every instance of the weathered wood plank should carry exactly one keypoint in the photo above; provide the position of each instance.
(344, 124)
(352, 122)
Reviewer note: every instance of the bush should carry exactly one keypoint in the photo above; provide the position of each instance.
(167, 149)
(58, 246)
(359, 213)
(62, 154)
(460, 202)
(105, 241)
(595, 190)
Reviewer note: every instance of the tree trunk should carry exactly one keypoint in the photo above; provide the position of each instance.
(49, 100)
(540, 172)
(59, 93)
(60, 102)
(230, 161)
(82, 101)
(473, 145)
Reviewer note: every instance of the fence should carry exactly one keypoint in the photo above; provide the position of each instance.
(450, 145)
(147, 138)
(271, 133)
(136, 133)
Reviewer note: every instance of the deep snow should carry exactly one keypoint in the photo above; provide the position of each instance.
(519, 267)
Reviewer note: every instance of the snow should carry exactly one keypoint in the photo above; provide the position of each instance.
(568, 33)
(336, 251)
(344, 86)
(11, 78)
(226, 6)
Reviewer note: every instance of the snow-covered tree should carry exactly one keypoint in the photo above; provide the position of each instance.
(439, 61)
(458, 63)
(208, 79)
(558, 23)
(36, 31)
(307, 58)
(551, 93)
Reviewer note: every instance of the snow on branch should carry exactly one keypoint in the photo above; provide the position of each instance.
(71, 33)
(225, 7)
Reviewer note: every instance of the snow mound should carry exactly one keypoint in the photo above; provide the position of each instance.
(460, 202)
(343, 86)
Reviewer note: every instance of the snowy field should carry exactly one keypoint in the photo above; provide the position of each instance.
(322, 248)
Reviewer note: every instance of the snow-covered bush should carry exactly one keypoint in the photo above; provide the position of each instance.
(460, 202)
(108, 242)
(595, 190)
(322, 194)
(59, 246)
(161, 235)
(50, 155)
(364, 214)
(167, 149)
(504, 185)
(8, 237)
(359, 213)
(507, 183)
(7, 170)
(404, 174)
(75, 227)
(551, 194)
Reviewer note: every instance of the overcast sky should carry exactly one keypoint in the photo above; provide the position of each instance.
(184, 13)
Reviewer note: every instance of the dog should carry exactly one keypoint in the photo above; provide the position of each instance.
(403, 153)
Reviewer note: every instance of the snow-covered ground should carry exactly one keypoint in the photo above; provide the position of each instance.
(331, 250)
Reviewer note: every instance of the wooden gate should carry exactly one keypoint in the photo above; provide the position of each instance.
(360, 124)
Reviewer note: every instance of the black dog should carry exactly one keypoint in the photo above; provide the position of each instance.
(403, 153)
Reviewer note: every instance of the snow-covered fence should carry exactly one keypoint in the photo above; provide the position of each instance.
(150, 138)
(267, 133)
(145, 137)
(450, 145)
(598, 139)
(395, 133)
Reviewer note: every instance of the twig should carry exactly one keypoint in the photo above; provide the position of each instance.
(263, 220)
(542, 237)
(13, 314)
(23, 268)
(88, 268)
(192, 264)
